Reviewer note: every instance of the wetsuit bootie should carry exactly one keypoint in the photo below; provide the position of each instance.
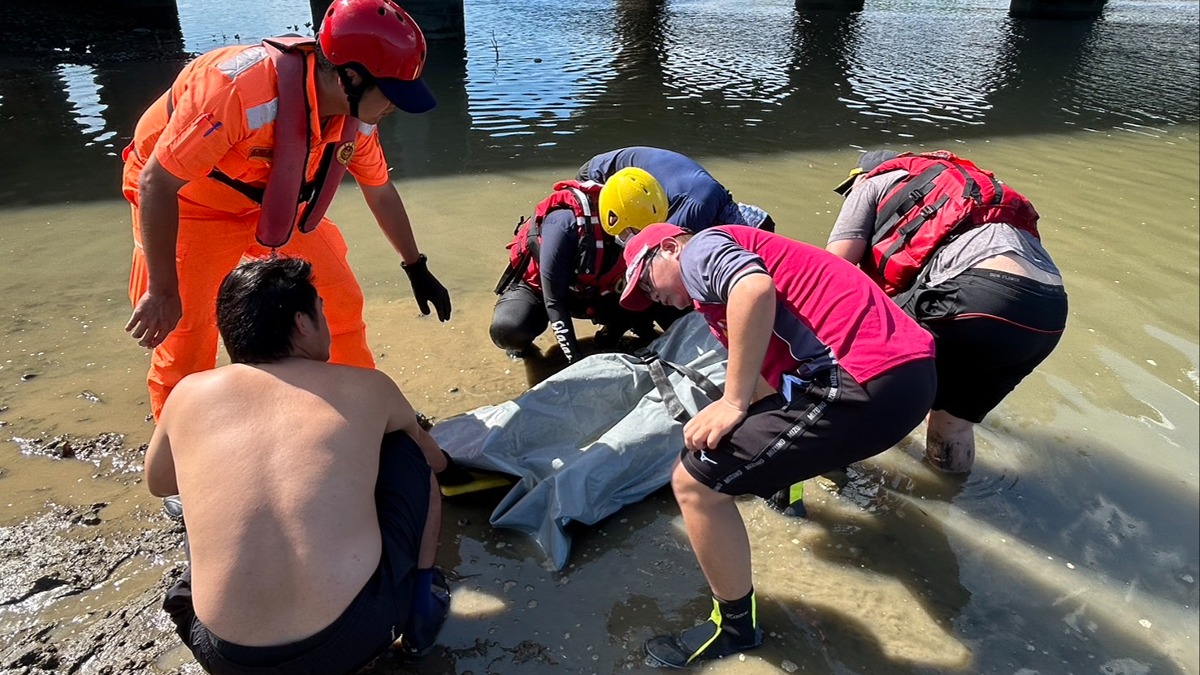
(731, 628)
(790, 501)
(430, 607)
(173, 508)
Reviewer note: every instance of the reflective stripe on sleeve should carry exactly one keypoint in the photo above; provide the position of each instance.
(243, 60)
(262, 114)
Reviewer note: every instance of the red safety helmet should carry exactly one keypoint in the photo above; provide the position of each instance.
(382, 39)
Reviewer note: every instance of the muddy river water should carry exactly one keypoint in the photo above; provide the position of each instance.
(1072, 547)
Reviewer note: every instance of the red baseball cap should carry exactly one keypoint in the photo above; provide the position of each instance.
(638, 252)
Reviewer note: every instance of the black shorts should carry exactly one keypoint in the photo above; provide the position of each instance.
(375, 617)
(834, 422)
(990, 329)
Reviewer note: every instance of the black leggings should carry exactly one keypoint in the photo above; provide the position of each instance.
(519, 317)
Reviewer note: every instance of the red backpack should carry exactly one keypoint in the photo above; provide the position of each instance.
(941, 197)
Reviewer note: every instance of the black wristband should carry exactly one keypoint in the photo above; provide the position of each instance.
(421, 259)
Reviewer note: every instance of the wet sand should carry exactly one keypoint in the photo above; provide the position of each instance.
(1072, 546)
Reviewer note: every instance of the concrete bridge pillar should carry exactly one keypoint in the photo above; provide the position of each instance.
(1056, 9)
(90, 29)
(438, 19)
(833, 5)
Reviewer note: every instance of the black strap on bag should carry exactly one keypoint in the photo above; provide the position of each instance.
(907, 231)
(662, 382)
(512, 274)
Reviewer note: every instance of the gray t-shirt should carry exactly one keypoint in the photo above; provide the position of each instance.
(857, 221)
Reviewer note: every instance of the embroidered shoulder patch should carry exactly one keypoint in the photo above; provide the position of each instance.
(345, 153)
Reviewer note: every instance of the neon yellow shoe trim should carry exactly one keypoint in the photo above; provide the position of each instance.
(796, 493)
(715, 617)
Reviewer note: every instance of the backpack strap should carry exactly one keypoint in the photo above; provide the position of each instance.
(904, 200)
(513, 273)
(908, 230)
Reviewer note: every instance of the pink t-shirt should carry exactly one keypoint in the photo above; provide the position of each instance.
(827, 313)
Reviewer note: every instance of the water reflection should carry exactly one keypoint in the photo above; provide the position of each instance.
(704, 76)
(533, 83)
(83, 93)
(739, 67)
(944, 84)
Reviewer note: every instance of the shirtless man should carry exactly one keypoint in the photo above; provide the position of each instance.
(312, 512)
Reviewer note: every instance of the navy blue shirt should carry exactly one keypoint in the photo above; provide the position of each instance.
(556, 262)
(695, 200)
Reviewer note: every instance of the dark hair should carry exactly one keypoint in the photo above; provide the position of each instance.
(323, 62)
(343, 71)
(257, 305)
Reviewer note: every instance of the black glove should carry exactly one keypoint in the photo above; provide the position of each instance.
(427, 289)
(454, 473)
(605, 310)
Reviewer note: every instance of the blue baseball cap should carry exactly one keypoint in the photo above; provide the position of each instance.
(411, 96)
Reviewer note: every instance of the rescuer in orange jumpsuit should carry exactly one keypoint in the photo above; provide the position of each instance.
(240, 158)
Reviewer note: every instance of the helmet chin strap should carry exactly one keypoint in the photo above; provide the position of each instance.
(354, 93)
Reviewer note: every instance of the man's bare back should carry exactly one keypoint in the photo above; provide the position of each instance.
(276, 464)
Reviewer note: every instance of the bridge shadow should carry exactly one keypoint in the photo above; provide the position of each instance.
(814, 82)
(1037, 52)
(95, 31)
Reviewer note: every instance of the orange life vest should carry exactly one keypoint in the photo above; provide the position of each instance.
(287, 200)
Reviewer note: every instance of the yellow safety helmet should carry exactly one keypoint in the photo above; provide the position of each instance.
(630, 200)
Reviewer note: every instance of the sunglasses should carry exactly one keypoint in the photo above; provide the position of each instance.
(645, 281)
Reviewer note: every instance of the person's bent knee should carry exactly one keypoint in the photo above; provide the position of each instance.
(690, 491)
(517, 319)
(506, 334)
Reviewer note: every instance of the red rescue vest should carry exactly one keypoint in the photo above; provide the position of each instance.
(942, 196)
(598, 262)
